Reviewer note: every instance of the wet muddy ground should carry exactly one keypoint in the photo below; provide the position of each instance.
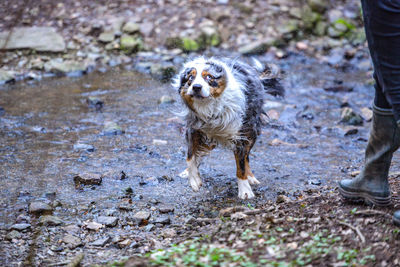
(49, 133)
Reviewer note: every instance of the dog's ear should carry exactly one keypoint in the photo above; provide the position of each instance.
(182, 79)
(216, 70)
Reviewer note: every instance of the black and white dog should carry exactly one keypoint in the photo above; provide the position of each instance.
(223, 105)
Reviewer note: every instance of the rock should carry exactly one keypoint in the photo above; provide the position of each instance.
(320, 28)
(163, 71)
(334, 15)
(228, 211)
(150, 227)
(189, 45)
(166, 99)
(111, 212)
(295, 12)
(49, 220)
(169, 233)
(106, 36)
(163, 219)
(350, 131)
(289, 27)
(348, 116)
(209, 36)
(146, 28)
(131, 27)
(111, 128)
(166, 209)
(366, 114)
(6, 76)
(130, 43)
(334, 33)
(13, 235)
(257, 47)
(94, 226)
(318, 5)
(101, 242)
(95, 102)
(141, 217)
(282, 199)
(83, 147)
(158, 142)
(88, 179)
(72, 241)
(309, 18)
(20, 226)
(69, 67)
(107, 220)
(38, 207)
(125, 243)
(43, 39)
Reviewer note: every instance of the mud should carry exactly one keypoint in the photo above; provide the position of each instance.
(44, 124)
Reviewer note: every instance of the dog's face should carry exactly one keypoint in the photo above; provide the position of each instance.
(201, 81)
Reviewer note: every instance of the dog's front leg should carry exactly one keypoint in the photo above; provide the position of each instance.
(243, 172)
(196, 148)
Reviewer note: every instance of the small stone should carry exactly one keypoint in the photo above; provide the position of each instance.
(159, 142)
(6, 76)
(304, 234)
(110, 212)
(349, 117)
(13, 235)
(166, 99)
(149, 227)
(366, 114)
(257, 47)
(68, 67)
(83, 147)
(163, 219)
(111, 128)
(163, 71)
(130, 44)
(107, 36)
(125, 243)
(238, 216)
(20, 226)
(88, 179)
(166, 209)
(282, 199)
(38, 207)
(49, 220)
(95, 102)
(351, 131)
(314, 182)
(94, 226)
(141, 217)
(101, 242)
(131, 27)
(169, 233)
(318, 5)
(72, 241)
(107, 220)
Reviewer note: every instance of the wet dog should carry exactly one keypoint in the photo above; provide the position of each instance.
(223, 102)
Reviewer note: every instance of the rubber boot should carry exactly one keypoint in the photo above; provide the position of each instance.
(396, 218)
(371, 185)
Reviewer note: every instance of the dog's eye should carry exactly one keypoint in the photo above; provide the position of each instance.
(209, 77)
(191, 78)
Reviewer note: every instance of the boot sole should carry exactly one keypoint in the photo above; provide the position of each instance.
(367, 198)
(396, 221)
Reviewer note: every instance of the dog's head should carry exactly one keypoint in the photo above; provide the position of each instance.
(201, 80)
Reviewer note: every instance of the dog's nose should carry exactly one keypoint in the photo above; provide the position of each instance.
(197, 88)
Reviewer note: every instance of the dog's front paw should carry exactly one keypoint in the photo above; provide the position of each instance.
(184, 174)
(195, 183)
(245, 191)
(252, 180)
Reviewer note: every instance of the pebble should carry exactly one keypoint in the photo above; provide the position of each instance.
(366, 114)
(166, 209)
(169, 233)
(49, 220)
(141, 217)
(72, 241)
(163, 219)
(13, 235)
(149, 227)
(94, 226)
(38, 207)
(349, 117)
(20, 226)
(84, 147)
(107, 220)
(282, 199)
(111, 128)
(124, 243)
(88, 179)
(166, 99)
(101, 242)
(159, 142)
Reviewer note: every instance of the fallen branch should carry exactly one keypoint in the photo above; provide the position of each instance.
(355, 229)
(372, 212)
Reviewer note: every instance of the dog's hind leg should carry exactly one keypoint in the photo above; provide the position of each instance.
(196, 149)
(243, 171)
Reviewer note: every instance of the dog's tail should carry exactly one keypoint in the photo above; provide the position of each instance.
(270, 78)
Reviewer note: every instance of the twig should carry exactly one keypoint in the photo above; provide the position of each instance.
(372, 212)
(356, 229)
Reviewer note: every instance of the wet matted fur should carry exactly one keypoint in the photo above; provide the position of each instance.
(223, 101)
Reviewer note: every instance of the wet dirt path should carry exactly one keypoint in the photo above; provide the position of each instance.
(48, 133)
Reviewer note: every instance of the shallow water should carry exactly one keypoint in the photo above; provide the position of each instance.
(43, 122)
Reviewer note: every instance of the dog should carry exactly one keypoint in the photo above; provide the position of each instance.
(223, 101)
